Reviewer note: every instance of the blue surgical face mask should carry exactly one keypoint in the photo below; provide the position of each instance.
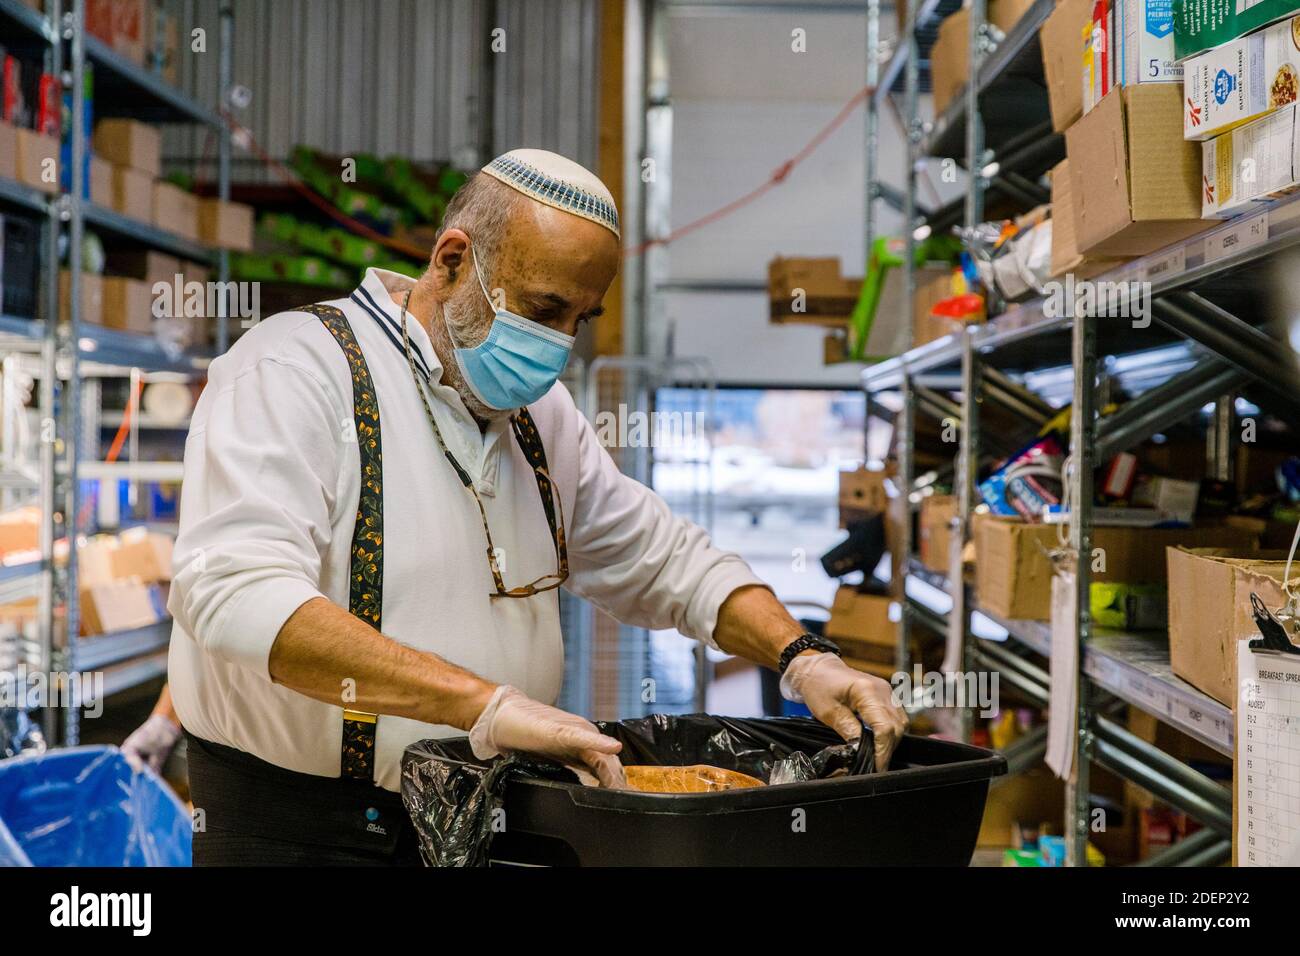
(517, 363)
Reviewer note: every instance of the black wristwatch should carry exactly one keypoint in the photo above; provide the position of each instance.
(804, 642)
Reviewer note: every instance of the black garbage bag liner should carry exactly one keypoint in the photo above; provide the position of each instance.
(453, 797)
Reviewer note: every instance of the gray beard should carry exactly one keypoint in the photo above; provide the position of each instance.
(470, 331)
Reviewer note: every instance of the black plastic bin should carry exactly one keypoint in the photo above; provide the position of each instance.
(926, 810)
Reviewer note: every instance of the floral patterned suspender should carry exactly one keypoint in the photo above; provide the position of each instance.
(366, 570)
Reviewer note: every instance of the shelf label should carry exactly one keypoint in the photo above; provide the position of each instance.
(1162, 267)
(1245, 234)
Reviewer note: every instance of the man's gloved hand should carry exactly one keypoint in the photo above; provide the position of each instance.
(838, 696)
(513, 721)
(152, 742)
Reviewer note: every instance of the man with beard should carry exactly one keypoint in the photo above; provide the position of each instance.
(382, 494)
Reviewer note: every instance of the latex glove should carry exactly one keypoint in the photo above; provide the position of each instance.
(513, 721)
(152, 742)
(838, 696)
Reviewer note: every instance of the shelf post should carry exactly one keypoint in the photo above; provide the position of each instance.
(964, 484)
(974, 122)
(225, 68)
(907, 419)
(1079, 479)
(70, 337)
(48, 596)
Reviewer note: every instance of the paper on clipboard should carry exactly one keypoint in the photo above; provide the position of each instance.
(1268, 758)
(1063, 712)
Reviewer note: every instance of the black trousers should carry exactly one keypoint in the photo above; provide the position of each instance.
(252, 813)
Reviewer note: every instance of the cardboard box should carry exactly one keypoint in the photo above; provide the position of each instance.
(950, 60)
(1145, 37)
(863, 491)
(162, 42)
(1141, 180)
(133, 193)
(860, 624)
(36, 159)
(101, 182)
(143, 554)
(176, 210)
(1209, 611)
(1013, 575)
(1062, 48)
(127, 142)
(1066, 257)
(1255, 163)
(950, 55)
(99, 20)
(813, 285)
(1033, 798)
(8, 150)
(1204, 24)
(118, 606)
(1005, 14)
(129, 19)
(938, 512)
(226, 225)
(95, 560)
(144, 264)
(92, 297)
(127, 305)
(20, 530)
(1240, 81)
(933, 285)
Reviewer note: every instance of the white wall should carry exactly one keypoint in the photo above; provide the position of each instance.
(744, 103)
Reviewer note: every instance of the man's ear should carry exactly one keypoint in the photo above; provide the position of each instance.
(449, 255)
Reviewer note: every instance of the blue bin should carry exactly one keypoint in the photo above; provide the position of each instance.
(87, 806)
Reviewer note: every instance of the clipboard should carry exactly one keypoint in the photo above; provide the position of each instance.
(1266, 778)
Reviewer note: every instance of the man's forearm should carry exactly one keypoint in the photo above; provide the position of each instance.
(329, 655)
(754, 625)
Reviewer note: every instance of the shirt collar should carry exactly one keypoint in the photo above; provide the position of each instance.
(375, 297)
(476, 451)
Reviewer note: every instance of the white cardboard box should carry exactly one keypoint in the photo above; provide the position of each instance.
(1146, 39)
(1251, 164)
(1135, 46)
(1242, 80)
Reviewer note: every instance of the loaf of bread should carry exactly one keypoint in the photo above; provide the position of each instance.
(699, 778)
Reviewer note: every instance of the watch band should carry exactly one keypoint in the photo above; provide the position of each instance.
(805, 642)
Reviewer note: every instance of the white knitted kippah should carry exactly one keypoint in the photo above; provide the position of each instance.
(557, 181)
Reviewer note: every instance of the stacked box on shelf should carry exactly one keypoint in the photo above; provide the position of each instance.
(1210, 610)
(862, 494)
(950, 56)
(1137, 182)
(134, 151)
(1241, 100)
(860, 624)
(1013, 572)
(1203, 24)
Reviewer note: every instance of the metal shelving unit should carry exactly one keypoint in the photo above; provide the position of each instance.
(1195, 351)
(68, 358)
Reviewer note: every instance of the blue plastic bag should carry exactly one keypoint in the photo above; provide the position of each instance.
(87, 806)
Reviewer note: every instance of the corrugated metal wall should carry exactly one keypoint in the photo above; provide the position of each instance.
(398, 76)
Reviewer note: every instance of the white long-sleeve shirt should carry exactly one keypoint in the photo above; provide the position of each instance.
(269, 500)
